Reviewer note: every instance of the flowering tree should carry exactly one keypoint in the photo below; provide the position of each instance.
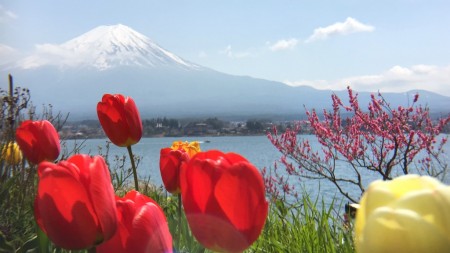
(380, 142)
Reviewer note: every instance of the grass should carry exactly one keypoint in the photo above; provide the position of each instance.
(303, 227)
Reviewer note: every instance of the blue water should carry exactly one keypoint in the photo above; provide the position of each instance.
(257, 149)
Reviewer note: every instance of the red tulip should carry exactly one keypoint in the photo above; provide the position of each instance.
(120, 119)
(75, 203)
(142, 227)
(38, 141)
(170, 163)
(172, 159)
(224, 200)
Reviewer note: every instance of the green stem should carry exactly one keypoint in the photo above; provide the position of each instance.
(43, 241)
(92, 250)
(179, 217)
(133, 165)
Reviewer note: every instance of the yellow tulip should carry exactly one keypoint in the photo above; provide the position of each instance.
(408, 214)
(11, 153)
(191, 148)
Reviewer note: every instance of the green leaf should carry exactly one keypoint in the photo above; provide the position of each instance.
(44, 242)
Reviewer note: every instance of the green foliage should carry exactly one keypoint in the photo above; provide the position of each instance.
(157, 126)
(254, 126)
(303, 227)
(215, 123)
(16, 209)
(17, 182)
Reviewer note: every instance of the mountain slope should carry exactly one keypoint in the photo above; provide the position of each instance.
(74, 75)
(203, 93)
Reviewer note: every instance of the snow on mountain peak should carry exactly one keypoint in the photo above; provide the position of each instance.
(105, 47)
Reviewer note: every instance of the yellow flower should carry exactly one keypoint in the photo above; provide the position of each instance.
(11, 153)
(191, 148)
(408, 214)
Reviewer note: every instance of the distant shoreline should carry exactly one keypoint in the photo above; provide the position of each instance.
(166, 136)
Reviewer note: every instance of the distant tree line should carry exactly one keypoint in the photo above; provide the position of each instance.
(163, 126)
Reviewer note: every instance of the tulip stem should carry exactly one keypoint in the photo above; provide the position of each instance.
(92, 250)
(133, 165)
(179, 217)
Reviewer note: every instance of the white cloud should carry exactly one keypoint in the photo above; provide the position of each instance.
(51, 54)
(8, 54)
(234, 55)
(6, 15)
(318, 84)
(350, 25)
(4, 49)
(396, 79)
(283, 45)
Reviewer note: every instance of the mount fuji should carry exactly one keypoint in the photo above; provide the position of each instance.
(103, 48)
(74, 75)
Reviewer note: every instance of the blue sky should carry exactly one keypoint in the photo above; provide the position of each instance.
(369, 45)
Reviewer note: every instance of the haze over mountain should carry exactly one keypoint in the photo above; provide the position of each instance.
(74, 75)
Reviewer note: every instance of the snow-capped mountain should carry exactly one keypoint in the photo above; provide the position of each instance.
(105, 47)
(73, 76)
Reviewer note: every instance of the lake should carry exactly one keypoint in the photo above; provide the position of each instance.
(257, 149)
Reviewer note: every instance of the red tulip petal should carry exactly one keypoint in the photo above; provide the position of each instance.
(97, 180)
(234, 158)
(216, 233)
(170, 164)
(49, 141)
(223, 160)
(142, 227)
(133, 119)
(197, 185)
(137, 198)
(26, 140)
(131, 195)
(240, 194)
(150, 231)
(206, 220)
(210, 154)
(125, 213)
(63, 207)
